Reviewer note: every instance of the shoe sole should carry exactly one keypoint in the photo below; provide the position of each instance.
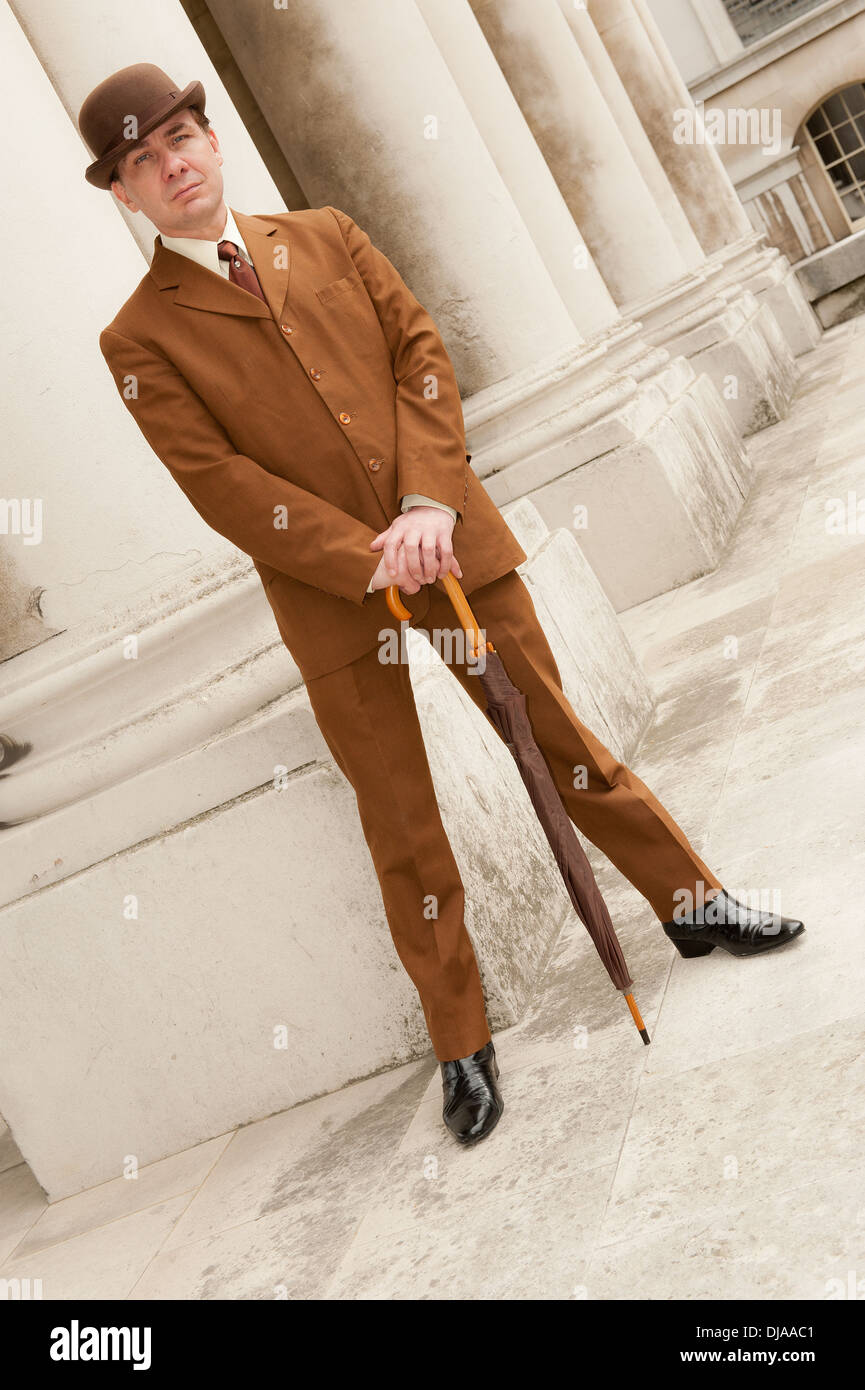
(690, 949)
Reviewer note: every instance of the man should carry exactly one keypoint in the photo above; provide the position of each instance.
(304, 401)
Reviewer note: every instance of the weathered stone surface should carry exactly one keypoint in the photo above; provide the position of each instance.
(144, 988)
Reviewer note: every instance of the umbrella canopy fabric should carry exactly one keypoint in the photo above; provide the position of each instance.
(506, 711)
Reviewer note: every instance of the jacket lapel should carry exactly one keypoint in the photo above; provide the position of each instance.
(200, 288)
(269, 247)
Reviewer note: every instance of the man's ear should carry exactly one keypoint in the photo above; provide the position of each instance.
(122, 196)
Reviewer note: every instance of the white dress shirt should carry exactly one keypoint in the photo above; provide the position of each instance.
(206, 254)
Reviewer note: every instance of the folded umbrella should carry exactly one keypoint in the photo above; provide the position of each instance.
(506, 711)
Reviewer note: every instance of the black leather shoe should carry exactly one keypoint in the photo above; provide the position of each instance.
(724, 921)
(472, 1101)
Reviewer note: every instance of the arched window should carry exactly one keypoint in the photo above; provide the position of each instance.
(837, 131)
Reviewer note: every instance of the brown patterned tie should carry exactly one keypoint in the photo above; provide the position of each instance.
(240, 272)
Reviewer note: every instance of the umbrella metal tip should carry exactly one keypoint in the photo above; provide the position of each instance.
(645, 1036)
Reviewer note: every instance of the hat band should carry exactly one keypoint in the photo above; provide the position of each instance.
(141, 117)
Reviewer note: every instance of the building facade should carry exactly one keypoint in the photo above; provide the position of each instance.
(781, 90)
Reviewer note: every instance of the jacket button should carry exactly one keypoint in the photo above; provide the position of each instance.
(314, 373)
(285, 328)
(344, 417)
(375, 464)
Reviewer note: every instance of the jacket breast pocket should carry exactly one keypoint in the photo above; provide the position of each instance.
(336, 288)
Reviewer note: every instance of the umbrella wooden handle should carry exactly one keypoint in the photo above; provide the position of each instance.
(461, 607)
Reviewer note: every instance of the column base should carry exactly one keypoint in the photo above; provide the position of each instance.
(649, 477)
(212, 913)
(762, 269)
(725, 332)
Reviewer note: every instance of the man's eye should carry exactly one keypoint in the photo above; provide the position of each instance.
(145, 153)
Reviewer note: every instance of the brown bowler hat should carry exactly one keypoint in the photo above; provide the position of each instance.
(143, 91)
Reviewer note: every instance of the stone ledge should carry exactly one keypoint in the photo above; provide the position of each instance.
(183, 914)
(833, 267)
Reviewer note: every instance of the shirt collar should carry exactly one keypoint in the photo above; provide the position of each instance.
(205, 251)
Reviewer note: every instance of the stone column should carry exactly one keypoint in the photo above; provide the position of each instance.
(674, 299)
(718, 27)
(737, 259)
(371, 120)
(112, 520)
(657, 91)
(536, 419)
(700, 34)
(63, 38)
(598, 175)
(506, 134)
(628, 122)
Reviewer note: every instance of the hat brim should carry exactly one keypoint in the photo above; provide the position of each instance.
(99, 172)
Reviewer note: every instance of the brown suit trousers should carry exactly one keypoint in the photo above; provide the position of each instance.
(367, 715)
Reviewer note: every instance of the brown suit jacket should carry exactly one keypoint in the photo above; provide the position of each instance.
(295, 427)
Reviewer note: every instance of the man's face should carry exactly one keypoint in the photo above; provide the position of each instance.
(172, 175)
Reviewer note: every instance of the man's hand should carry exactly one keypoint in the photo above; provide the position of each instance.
(417, 550)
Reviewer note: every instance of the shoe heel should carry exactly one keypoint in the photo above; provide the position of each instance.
(689, 949)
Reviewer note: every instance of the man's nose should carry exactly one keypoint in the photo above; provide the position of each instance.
(173, 164)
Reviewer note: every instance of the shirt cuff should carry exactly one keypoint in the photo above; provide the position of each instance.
(417, 499)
